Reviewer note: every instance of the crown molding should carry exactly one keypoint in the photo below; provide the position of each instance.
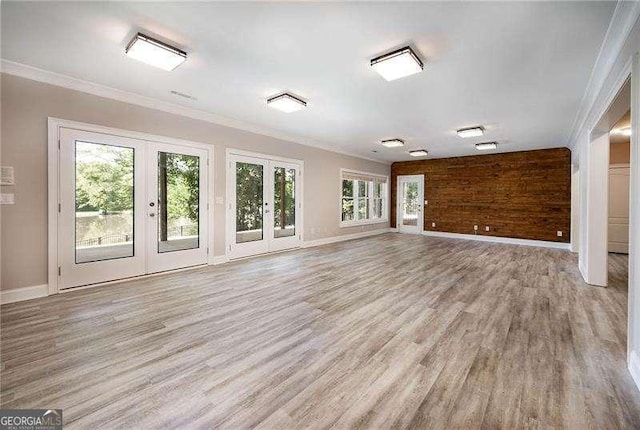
(65, 81)
(622, 22)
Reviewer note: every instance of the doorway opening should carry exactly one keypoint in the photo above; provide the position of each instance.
(619, 198)
(606, 203)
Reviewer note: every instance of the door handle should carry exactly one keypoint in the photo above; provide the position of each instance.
(152, 214)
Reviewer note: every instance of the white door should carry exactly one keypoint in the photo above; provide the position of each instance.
(410, 196)
(176, 207)
(619, 209)
(264, 209)
(121, 214)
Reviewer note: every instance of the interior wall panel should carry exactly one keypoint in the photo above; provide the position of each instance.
(525, 195)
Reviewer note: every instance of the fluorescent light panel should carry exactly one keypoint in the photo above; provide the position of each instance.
(418, 153)
(393, 143)
(151, 51)
(486, 146)
(471, 132)
(286, 103)
(397, 64)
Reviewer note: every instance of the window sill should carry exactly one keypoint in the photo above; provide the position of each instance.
(363, 222)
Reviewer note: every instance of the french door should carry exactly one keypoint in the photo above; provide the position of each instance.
(128, 207)
(410, 196)
(264, 210)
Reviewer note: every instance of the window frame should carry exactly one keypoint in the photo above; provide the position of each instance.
(384, 197)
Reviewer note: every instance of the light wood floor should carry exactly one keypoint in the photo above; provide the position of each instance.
(385, 332)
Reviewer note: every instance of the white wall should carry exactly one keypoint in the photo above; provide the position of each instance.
(26, 104)
(617, 59)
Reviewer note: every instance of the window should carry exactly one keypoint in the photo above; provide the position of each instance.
(364, 198)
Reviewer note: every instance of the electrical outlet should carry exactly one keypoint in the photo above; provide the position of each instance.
(433, 224)
(486, 228)
(559, 233)
(475, 228)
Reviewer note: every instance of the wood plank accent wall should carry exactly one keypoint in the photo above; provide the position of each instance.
(525, 195)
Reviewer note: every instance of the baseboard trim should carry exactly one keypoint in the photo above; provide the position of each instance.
(342, 238)
(497, 239)
(220, 259)
(634, 368)
(24, 293)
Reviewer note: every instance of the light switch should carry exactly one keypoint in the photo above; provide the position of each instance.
(6, 199)
(7, 176)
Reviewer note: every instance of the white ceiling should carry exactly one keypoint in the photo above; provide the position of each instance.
(520, 69)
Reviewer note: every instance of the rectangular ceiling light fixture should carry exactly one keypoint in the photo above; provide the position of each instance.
(397, 64)
(471, 132)
(286, 103)
(486, 145)
(418, 153)
(393, 143)
(151, 51)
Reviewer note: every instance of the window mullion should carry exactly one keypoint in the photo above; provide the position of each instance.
(356, 200)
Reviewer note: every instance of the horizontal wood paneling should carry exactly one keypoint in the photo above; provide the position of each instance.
(525, 195)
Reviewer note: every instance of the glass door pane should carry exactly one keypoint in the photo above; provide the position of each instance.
(284, 202)
(178, 202)
(249, 202)
(104, 202)
(410, 203)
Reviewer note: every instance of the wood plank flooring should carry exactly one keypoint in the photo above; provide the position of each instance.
(394, 331)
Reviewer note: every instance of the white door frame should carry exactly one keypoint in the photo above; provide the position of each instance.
(594, 193)
(595, 172)
(53, 197)
(400, 198)
(230, 192)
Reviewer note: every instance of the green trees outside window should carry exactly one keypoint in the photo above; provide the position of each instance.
(363, 200)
